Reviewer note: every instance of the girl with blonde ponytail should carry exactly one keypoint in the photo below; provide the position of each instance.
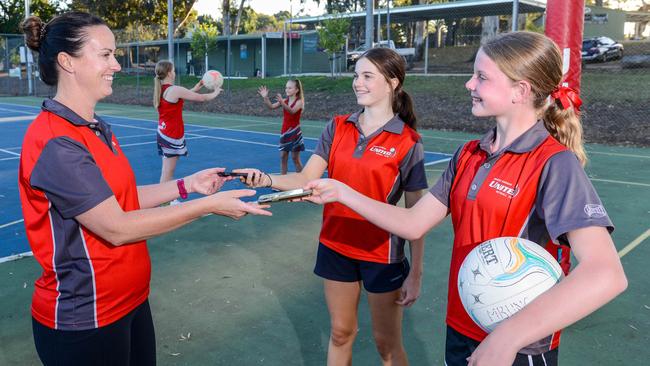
(168, 99)
(523, 178)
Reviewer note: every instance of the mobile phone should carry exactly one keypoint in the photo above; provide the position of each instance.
(283, 196)
(232, 174)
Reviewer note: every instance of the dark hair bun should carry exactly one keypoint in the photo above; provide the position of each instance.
(33, 28)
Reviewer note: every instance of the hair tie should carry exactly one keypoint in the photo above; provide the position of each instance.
(42, 34)
(567, 97)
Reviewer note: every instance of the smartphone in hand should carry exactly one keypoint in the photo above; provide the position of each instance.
(284, 195)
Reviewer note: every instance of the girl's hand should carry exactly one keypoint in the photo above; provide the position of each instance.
(206, 182)
(493, 351)
(325, 191)
(279, 99)
(229, 204)
(410, 291)
(198, 86)
(263, 91)
(255, 179)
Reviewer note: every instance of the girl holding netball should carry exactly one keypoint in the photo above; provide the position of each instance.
(535, 150)
(290, 135)
(168, 99)
(378, 152)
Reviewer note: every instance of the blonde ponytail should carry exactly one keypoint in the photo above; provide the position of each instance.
(163, 68)
(156, 92)
(565, 126)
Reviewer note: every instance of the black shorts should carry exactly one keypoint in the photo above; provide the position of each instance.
(458, 347)
(376, 277)
(129, 341)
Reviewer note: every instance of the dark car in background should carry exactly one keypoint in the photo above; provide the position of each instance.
(601, 49)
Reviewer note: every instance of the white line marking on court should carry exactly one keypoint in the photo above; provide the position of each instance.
(16, 256)
(134, 136)
(618, 154)
(9, 152)
(17, 111)
(12, 158)
(15, 119)
(437, 162)
(620, 182)
(11, 223)
(13, 148)
(153, 142)
(634, 243)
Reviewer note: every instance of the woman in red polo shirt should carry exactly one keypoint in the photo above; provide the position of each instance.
(536, 151)
(377, 151)
(86, 220)
(168, 99)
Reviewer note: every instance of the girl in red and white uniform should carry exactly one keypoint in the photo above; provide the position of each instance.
(290, 135)
(168, 99)
(535, 151)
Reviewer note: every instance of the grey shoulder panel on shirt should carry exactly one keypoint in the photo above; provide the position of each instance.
(566, 199)
(68, 175)
(325, 142)
(442, 188)
(411, 168)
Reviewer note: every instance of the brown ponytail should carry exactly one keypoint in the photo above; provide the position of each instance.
(393, 66)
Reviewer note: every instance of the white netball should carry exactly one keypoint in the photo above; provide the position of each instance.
(212, 79)
(501, 276)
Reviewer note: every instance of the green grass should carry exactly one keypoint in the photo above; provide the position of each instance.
(609, 87)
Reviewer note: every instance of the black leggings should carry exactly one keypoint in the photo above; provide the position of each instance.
(128, 341)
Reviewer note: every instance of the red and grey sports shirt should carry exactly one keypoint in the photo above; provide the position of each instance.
(534, 188)
(68, 166)
(380, 166)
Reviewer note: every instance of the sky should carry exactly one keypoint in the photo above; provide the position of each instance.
(270, 7)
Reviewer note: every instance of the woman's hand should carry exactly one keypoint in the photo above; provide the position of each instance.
(206, 182)
(410, 290)
(198, 86)
(255, 179)
(279, 99)
(263, 91)
(325, 191)
(229, 204)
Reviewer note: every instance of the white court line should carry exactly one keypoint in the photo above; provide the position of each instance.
(134, 136)
(11, 223)
(153, 142)
(12, 158)
(634, 243)
(16, 256)
(437, 162)
(15, 119)
(618, 154)
(17, 111)
(619, 182)
(9, 152)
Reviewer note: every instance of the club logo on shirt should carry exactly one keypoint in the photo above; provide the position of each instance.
(504, 188)
(382, 151)
(163, 125)
(595, 211)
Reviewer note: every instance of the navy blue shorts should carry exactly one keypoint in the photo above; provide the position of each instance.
(458, 347)
(376, 277)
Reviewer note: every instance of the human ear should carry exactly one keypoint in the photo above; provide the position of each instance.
(65, 62)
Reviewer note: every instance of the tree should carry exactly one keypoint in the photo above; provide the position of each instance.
(204, 40)
(12, 13)
(120, 14)
(331, 36)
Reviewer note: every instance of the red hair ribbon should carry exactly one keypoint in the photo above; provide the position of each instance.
(567, 97)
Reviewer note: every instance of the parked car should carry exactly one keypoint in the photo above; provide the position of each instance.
(601, 49)
(407, 53)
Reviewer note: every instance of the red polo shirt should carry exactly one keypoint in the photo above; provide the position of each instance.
(68, 166)
(380, 166)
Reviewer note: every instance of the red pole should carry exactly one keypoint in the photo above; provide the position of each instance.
(564, 25)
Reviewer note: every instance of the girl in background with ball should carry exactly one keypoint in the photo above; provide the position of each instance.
(290, 134)
(524, 178)
(168, 99)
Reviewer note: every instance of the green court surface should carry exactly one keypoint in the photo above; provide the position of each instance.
(243, 293)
